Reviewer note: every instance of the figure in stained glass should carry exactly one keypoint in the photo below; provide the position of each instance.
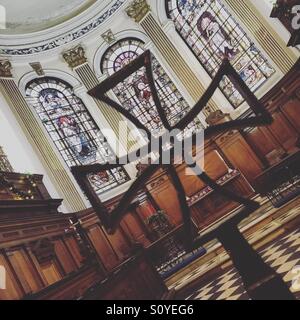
(73, 130)
(134, 92)
(212, 34)
(218, 39)
(76, 139)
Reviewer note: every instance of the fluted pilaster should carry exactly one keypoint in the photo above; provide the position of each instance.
(78, 62)
(267, 38)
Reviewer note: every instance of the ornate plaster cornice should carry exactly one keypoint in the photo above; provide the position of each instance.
(39, 46)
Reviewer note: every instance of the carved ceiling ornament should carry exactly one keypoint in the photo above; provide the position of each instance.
(75, 57)
(138, 10)
(108, 36)
(37, 67)
(5, 69)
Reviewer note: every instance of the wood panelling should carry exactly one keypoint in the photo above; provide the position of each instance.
(214, 207)
(283, 132)
(43, 253)
(262, 141)
(165, 196)
(120, 243)
(74, 250)
(71, 287)
(25, 270)
(51, 272)
(224, 153)
(13, 287)
(64, 257)
(107, 255)
(275, 142)
(124, 284)
(213, 164)
(113, 249)
(24, 227)
(132, 224)
(240, 154)
(291, 109)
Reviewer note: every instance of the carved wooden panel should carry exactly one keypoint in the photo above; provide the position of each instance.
(64, 257)
(214, 207)
(72, 288)
(104, 250)
(240, 154)
(284, 133)
(134, 228)
(51, 272)
(25, 271)
(44, 251)
(74, 249)
(13, 288)
(119, 243)
(125, 284)
(164, 194)
(291, 110)
(213, 164)
(265, 145)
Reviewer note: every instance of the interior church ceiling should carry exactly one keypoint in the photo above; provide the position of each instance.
(34, 15)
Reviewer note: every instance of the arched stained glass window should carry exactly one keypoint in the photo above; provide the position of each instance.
(212, 34)
(135, 93)
(73, 130)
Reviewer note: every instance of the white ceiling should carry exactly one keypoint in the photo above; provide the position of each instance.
(26, 16)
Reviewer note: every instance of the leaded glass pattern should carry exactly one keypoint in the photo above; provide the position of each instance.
(212, 34)
(72, 129)
(134, 93)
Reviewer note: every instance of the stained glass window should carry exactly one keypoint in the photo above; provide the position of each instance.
(135, 93)
(212, 34)
(73, 130)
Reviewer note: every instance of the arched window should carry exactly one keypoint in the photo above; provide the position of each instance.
(135, 94)
(72, 129)
(212, 34)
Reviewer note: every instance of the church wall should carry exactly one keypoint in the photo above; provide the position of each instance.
(122, 26)
(23, 253)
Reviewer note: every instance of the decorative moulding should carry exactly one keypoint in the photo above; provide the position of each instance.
(34, 43)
